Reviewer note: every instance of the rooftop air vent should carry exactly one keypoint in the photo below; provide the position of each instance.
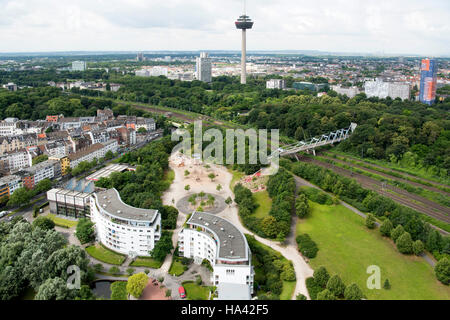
(222, 229)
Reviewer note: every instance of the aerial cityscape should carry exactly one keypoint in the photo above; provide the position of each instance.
(328, 177)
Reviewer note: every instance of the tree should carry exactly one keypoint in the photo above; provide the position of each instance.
(418, 247)
(142, 130)
(326, 295)
(442, 270)
(119, 290)
(301, 206)
(353, 292)
(20, 197)
(53, 289)
(228, 200)
(219, 187)
(397, 232)
(386, 284)
(44, 223)
(162, 247)
(212, 176)
(386, 228)
(187, 187)
(168, 293)
(336, 286)
(85, 231)
(136, 284)
(114, 270)
(307, 246)
(130, 271)
(370, 221)
(269, 226)
(321, 276)
(186, 173)
(404, 243)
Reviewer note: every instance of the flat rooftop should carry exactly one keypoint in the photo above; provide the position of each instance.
(233, 244)
(110, 201)
(108, 170)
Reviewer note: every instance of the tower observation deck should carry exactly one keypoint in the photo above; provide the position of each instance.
(243, 23)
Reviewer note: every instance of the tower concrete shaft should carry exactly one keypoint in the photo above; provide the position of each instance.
(244, 57)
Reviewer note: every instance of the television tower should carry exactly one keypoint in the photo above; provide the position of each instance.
(244, 22)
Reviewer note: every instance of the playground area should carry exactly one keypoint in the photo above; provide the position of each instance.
(255, 182)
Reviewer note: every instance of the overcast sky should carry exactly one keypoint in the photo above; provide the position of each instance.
(372, 26)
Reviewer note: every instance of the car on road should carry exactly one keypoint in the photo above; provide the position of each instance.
(3, 213)
(182, 292)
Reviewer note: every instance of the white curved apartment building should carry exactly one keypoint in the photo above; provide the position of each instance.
(225, 247)
(122, 228)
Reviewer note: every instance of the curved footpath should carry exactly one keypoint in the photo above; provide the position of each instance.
(223, 176)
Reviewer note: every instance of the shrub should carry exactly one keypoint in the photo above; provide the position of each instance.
(300, 297)
(397, 232)
(307, 246)
(198, 280)
(326, 295)
(336, 286)
(313, 288)
(85, 231)
(321, 276)
(418, 247)
(43, 223)
(442, 271)
(130, 271)
(168, 293)
(353, 292)
(386, 284)
(404, 243)
(119, 290)
(386, 228)
(98, 267)
(301, 206)
(114, 270)
(370, 221)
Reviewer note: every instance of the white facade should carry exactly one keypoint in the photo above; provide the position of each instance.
(122, 228)
(17, 160)
(349, 92)
(276, 84)
(223, 245)
(203, 70)
(379, 88)
(43, 170)
(79, 66)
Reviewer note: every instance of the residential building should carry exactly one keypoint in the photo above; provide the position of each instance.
(428, 81)
(50, 169)
(15, 143)
(225, 247)
(10, 86)
(350, 92)
(79, 66)
(122, 228)
(276, 84)
(383, 89)
(10, 183)
(203, 69)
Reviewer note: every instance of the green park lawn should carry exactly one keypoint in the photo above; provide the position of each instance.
(176, 268)
(195, 292)
(62, 222)
(237, 175)
(347, 248)
(146, 262)
(288, 290)
(265, 203)
(103, 254)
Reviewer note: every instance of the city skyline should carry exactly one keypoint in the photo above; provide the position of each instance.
(372, 27)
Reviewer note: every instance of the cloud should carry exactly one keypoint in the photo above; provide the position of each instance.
(401, 26)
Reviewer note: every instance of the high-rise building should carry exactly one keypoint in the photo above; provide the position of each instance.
(428, 81)
(243, 23)
(79, 66)
(276, 84)
(203, 69)
(140, 57)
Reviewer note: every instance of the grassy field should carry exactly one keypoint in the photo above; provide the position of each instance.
(288, 290)
(146, 262)
(105, 255)
(237, 175)
(62, 222)
(195, 292)
(169, 176)
(347, 248)
(176, 268)
(265, 203)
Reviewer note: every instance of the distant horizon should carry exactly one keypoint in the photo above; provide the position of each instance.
(292, 52)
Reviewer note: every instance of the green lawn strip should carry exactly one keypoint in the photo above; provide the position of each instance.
(430, 195)
(103, 254)
(265, 203)
(388, 172)
(61, 222)
(420, 173)
(237, 175)
(176, 268)
(288, 290)
(146, 262)
(347, 248)
(196, 292)
(29, 205)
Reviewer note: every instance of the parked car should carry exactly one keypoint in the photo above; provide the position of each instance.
(3, 213)
(182, 292)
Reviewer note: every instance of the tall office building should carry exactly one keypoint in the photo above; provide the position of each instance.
(140, 57)
(203, 70)
(428, 81)
(79, 66)
(243, 23)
